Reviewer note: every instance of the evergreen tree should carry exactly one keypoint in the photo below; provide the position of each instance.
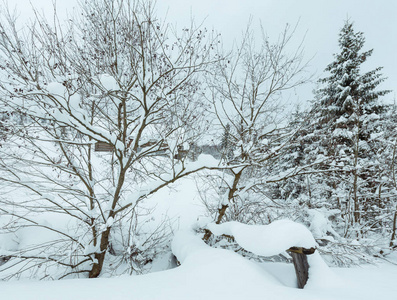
(348, 114)
(226, 144)
(342, 141)
(389, 188)
(346, 91)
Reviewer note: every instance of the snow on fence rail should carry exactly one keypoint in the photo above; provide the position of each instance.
(264, 240)
(273, 239)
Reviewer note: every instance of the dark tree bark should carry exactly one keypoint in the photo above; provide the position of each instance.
(100, 257)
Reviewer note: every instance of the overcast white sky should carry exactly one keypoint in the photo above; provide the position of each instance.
(320, 20)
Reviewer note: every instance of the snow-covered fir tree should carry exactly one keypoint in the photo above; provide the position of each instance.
(388, 149)
(226, 145)
(341, 141)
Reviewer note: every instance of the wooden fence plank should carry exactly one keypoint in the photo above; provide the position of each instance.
(299, 258)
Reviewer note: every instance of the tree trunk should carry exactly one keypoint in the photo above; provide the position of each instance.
(100, 257)
(230, 196)
(355, 184)
(222, 210)
(393, 235)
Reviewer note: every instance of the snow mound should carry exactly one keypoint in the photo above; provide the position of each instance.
(276, 238)
(186, 243)
(219, 267)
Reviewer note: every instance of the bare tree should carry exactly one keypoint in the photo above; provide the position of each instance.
(246, 98)
(114, 76)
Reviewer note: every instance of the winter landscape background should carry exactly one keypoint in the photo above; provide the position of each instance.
(180, 158)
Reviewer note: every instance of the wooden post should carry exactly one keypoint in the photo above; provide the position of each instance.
(299, 258)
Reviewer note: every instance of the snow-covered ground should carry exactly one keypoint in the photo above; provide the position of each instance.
(209, 273)
(215, 274)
